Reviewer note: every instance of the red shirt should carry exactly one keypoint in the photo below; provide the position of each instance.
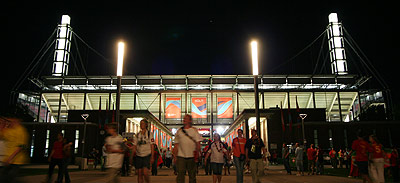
(58, 150)
(362, 148)
(239, 145)
(311, 154)
(377, 150)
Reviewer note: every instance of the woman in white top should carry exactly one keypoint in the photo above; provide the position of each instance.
(143, 147)
(217, 151)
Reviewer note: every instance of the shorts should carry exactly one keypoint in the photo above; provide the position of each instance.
(216, 168)
(362, 167)
(142, 162)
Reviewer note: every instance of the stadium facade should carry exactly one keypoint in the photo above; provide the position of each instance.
(336, 104)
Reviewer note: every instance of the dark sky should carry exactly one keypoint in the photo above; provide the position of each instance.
(204, 37)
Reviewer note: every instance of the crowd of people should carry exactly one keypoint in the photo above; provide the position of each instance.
(142, 154)
(139, 155)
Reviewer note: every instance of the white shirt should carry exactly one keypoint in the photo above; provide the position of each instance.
(114, 160)
(168, 154)
(217, 152)
(104, 151)
(186, 145)
(143, 143)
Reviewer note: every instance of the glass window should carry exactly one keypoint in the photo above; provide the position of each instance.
(46, 150)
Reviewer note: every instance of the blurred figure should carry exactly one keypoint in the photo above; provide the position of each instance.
(126, 170)
(320, 161)
(94, 154)
(56, 157)
(104, 158)
(353, 167)
(239, 155)
(15, 139)
(155, 158)
(341, 159)
(311, 156)
(254, 147)
(346, 158)
(207, 164)
(115, 154)
(394, 164)
(227, 159)
(274, 157)
(67, 150)
(299, 160)
(3, 125)
(168, 158)
(285, 158)
(333, 156)
(377, 165)
(362, 149)
(143, 146)
(217, 152)
(187, 149)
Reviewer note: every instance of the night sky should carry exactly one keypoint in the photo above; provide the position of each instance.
(204, 37)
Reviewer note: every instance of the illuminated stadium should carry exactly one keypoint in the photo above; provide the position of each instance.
(218, 103)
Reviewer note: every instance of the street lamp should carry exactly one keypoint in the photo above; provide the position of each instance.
(83, 163)
(254, 58)
(121, 47)
(303, 116)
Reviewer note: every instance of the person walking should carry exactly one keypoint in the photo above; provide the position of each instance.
(362, 149)
(15, 138)
(168, 158)
(299, 160)
(227, 159)
(254, 147)
(311, 156)
(333, 156)
(128, 144)
(104, 158)
(186, 151)
(144, 150)
(217, 152)
(155, 160)
(239, 155)
(378, 162)
(56, 158)
(285, 158)
(341, 157)
(207, 164)
(115, 154)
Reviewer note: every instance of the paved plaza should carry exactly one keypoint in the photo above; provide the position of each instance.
(274, 174)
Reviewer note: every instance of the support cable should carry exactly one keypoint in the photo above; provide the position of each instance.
(92, 48)
(79, 55)
(366, 61)
(30, 68)
(319, 54)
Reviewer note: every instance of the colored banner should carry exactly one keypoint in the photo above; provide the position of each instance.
(199, 107)
(173, 108)
(225, 109)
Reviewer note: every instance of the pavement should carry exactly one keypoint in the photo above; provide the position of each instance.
(274, 174)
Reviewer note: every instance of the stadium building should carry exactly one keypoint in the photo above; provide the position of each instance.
(337, 104)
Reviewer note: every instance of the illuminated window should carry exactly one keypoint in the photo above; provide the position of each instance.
(76, 141)
(315, 138)
(330, 138)
(46, 149)
(32, 143)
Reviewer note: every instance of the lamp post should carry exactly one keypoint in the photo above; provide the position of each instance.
(121, 47)
(303, 116)
(83, 162)
(254, 58)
